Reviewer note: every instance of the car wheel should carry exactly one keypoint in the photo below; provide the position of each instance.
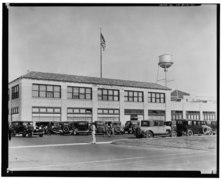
(29, 134)
(66, 129)
(41, 135)
(168, 133)
(24, 134)
(149, 134)
(189, 132)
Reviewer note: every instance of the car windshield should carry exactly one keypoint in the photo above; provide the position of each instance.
(82, 123)
(127, 123)
(116, 123)
(100, 123)
(145, 123)
(27, 123)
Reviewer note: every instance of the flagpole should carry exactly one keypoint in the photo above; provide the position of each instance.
(100, 56)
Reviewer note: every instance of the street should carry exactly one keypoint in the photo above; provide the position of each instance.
(76, 153)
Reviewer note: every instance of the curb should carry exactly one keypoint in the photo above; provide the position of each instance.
(56, 145)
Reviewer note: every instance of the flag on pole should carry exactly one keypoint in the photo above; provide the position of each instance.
(103, 43)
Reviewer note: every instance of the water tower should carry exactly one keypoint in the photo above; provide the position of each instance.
(165, 61)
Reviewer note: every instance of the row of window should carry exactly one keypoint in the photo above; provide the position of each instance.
(108, 94)
(175, 115)
(14, 110)
(209, 115)
(52, 91)
(192, 115)
(46, 110)
(109, 111)
(46, 91)
(133, 96)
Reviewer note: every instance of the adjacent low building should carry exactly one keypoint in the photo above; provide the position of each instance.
(38, 96)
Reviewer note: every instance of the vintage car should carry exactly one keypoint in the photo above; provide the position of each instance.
(45, 125)
(191, 127)
(151, 128)
(81, 127)
(100, 127)
(212, 125)
(130, 127)
(118, 129)
(207, 130)
(25, 128)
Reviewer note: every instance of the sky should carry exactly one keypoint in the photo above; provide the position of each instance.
(66, 40)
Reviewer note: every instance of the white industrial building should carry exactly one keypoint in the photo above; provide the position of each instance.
(39, 96)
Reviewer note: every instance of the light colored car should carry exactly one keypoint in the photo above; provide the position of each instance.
(151, 128)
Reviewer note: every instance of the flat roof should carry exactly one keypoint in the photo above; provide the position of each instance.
(90, 80)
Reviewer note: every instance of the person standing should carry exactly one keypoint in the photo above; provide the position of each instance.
(49, 129)
(112, 128)
(108, 129)
(93, 133)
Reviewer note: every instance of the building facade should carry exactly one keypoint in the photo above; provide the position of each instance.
(38, 96)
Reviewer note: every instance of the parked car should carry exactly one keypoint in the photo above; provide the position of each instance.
(25, 128)
(207, 130)
(151, 128)
(81, 127)
(130, 127)
(118, 129)
(45, 125)
(191, 127)
(100, 127)
(213, 125)
(67, 127)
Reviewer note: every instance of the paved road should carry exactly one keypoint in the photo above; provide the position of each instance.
(60, 153)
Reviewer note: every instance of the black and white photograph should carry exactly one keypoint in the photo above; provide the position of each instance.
(111, 90)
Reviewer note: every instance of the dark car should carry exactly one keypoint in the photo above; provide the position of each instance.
(130, 127)
(81, 127)
(46, 125)
(25, 128)
(191, 127)
(100, 127)
(213, 126)
(67, 127)
(117, 127)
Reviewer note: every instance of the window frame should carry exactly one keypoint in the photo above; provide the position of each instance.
(43, 91)
(108, 94)
(80, 93)
(15, 92)
(133, 96)
(109, 111)
(156, 97)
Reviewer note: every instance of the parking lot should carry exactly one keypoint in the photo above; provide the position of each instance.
(121, 152)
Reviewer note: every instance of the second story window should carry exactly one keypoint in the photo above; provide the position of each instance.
(154, 97)
(15, 92)
(133, 96)
(108, 94)
(46, 91)
(79, 93)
